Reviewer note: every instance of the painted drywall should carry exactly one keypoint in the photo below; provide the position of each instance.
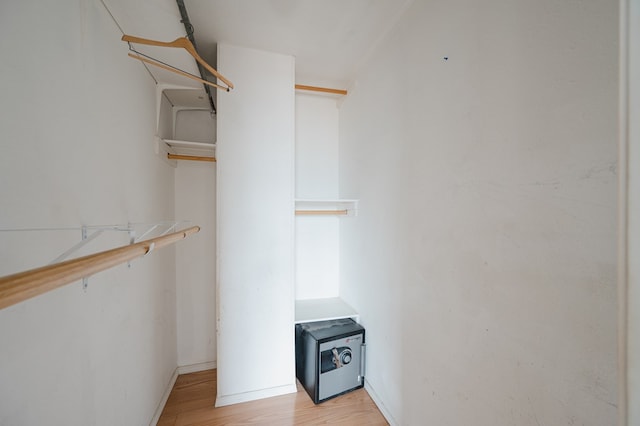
(77, 124)
(195, 125)
(317, 237)
(481, 142)
(255, 226)
(195, 184)
(631, 14)
(165, 118)
(316, 146)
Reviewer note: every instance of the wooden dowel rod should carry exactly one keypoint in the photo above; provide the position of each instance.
(25, 285)
(177, 71)
(322, 212)
(321, 89)
(190, 158)
(186, 44)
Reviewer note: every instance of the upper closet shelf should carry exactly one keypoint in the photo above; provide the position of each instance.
(312, 310)
(209, 147)
(337, 207)
(186, 150)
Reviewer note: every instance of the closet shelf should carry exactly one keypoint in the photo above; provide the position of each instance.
(204, 146)
(326, 207)
(311, 310)
(194, 151)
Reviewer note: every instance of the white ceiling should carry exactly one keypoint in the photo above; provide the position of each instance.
(330, 39)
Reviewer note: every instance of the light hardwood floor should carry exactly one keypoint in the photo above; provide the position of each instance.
(193, 396)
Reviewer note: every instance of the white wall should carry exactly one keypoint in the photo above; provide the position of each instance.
(195, 263)
(317, 237)
(78, 120)
(255, 211)
(195, 125)
(632, 138)
(483, 258)
(316, 146)
(165, 118)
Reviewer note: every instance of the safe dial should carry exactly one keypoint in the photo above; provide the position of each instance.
(341, 356)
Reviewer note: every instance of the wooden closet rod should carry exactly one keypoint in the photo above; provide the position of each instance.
(25, 285)
(176, 70)
(322, 212)
(185, 44)
(321, 89)
(190, 158)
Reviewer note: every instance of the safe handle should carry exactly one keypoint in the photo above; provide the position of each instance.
(363, 351)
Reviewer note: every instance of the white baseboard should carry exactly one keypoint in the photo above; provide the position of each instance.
(194, 368)
(376, 400)
(183, 369)
(223, 400)
(165, 397)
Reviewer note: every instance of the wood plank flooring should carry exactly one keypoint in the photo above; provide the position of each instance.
(193, 396)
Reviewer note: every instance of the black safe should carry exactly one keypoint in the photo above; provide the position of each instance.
(330, 357)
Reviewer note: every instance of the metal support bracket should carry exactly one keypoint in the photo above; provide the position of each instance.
(150, 249)
(87, 237)
(85, 240)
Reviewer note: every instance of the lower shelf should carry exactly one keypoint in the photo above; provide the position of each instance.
(311, 310)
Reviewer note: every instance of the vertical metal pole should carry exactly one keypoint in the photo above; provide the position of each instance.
(190, 30)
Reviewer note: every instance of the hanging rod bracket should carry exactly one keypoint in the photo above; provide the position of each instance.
(84, 241)
(150, 249)
(18, 287)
